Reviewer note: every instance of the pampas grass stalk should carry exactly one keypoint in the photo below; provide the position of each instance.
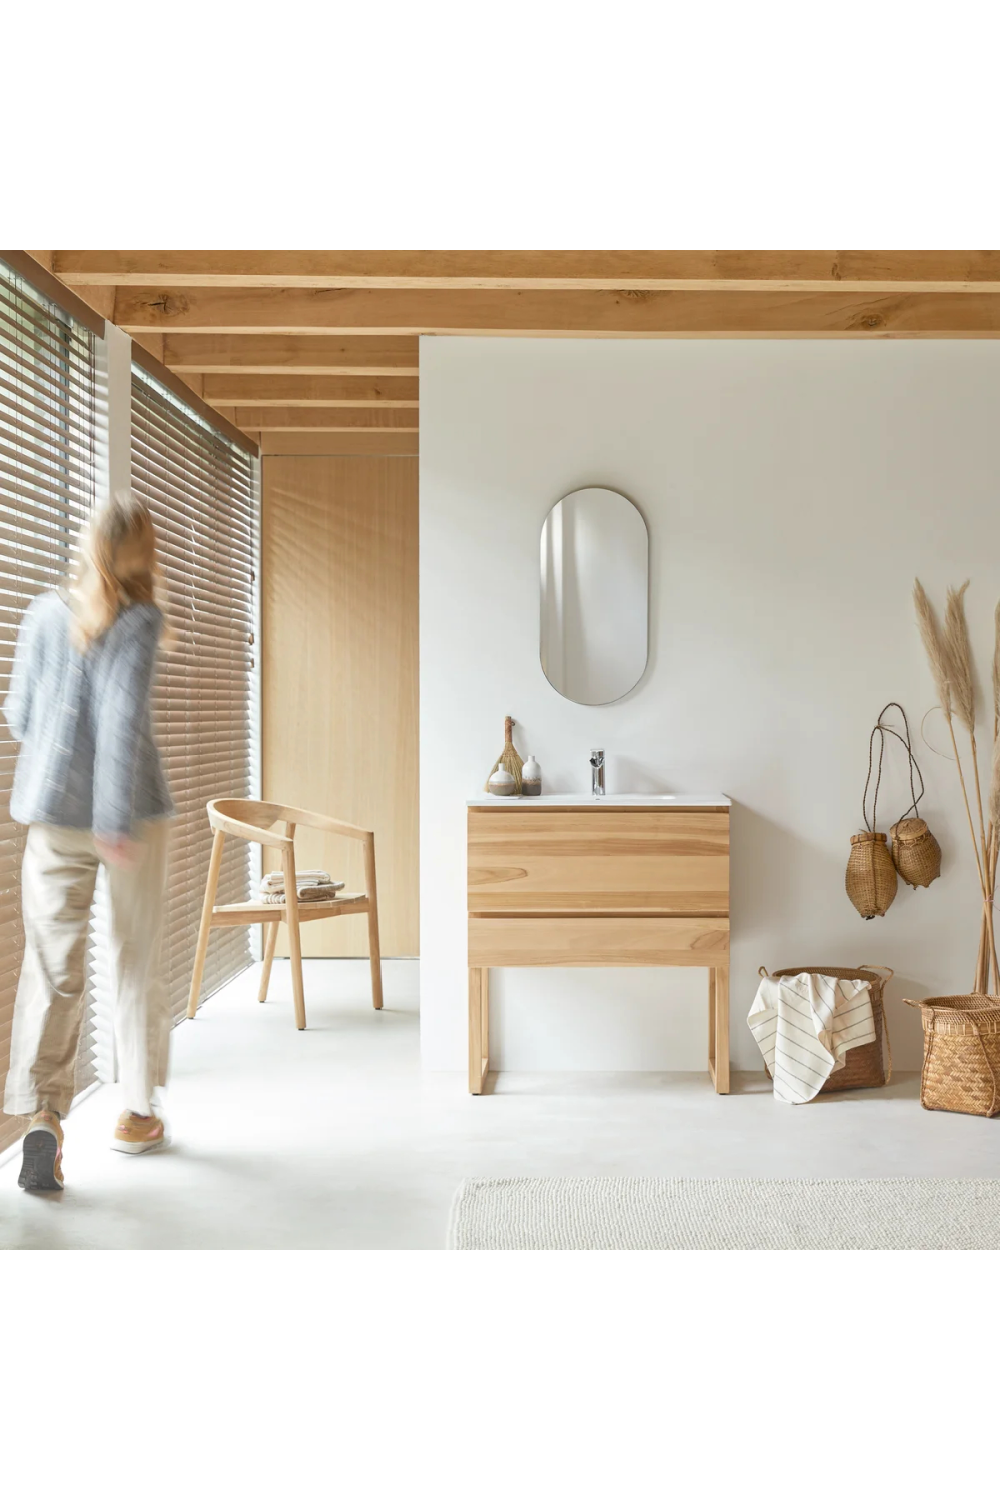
(958, 654)
(949, 654)
(994, 833)
(930, 634)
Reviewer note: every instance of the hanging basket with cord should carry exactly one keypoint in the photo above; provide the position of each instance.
(872, 866)
(915, 851)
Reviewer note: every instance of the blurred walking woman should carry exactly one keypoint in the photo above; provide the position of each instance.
(90, 785)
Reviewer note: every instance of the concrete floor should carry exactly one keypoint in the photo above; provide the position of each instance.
(333, 1138)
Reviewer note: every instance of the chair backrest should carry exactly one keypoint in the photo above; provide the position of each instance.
(247, 819)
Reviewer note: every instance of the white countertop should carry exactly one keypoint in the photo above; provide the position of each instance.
(617, 800)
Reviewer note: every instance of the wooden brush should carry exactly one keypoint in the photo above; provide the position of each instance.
(508, 757)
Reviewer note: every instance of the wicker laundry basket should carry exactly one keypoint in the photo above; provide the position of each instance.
(961, 1070)
(863, 1066)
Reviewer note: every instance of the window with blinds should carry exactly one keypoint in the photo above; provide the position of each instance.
(201, 490)
(50, 408)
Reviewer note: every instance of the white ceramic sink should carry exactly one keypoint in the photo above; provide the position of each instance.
(611, 800)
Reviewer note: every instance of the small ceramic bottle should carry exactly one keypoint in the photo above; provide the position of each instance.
(531, 778)
(502, 783)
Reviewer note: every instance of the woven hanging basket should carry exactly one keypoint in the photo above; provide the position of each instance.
(916, 853)
(961, 1070)
(871, 875)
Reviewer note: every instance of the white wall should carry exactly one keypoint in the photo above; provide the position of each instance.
(792, 490)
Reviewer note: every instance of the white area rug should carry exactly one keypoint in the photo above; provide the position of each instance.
(725, 1213)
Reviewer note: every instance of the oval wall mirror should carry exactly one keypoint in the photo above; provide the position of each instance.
(594, 596)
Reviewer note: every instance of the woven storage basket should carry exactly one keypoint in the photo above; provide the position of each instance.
(916, 853)
(863, 1067)
(870, 881)
(961, 1070)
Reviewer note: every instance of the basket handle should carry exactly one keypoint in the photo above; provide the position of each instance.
(889, 973)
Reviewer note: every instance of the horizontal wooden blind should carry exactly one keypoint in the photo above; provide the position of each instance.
(201, 489)
(49, 411)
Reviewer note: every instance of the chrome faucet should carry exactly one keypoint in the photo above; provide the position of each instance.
(597, 773)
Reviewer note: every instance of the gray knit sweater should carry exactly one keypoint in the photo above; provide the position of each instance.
(88, 759)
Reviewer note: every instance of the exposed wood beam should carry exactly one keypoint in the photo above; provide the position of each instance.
(217, 354)
(100, 298)
(309, 390)
(319, 419)
(652, 270)
(388, 444)
(633, 314)
(153, 343)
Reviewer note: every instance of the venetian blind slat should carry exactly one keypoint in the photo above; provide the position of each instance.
(49, 412)
(201, 490)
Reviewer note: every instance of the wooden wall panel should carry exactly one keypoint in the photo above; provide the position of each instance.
(339, 668)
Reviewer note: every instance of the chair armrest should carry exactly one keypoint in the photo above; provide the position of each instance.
(305, 819)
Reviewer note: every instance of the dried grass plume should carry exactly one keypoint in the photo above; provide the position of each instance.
(930, 634)
(958, 656)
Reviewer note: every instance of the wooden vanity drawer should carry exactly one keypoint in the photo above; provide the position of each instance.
(575, 942)
(587, 860)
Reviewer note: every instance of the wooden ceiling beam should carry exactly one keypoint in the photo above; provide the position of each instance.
(651, 270)
(617, 314)
(270, 354)
(309, 390)
(318, 419)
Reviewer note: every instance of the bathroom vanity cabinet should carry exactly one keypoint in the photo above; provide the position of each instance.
(614, 881)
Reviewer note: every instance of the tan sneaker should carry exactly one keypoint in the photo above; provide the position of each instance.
(138, 1133)
(41, 1168)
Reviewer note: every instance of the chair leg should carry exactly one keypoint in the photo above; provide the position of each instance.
(374, 951)
(294, 943)
(211, 885)
(270, 939)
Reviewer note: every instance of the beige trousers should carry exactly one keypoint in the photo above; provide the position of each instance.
(58, 876)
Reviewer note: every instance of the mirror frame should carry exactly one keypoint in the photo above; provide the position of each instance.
(619, 496)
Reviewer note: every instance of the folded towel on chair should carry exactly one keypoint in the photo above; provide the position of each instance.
(274, 880)
(305, 893)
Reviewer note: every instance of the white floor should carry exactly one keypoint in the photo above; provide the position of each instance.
(333, 1138)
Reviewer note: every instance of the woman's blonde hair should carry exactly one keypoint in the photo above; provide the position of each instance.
(118, 566)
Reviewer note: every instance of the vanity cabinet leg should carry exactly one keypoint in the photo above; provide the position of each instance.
(479, 1028)
(711, 1023)
(718, 1020)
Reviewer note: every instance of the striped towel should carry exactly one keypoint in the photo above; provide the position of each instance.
(805, 1026)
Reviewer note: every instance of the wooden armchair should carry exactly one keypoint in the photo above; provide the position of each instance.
(255, 821)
